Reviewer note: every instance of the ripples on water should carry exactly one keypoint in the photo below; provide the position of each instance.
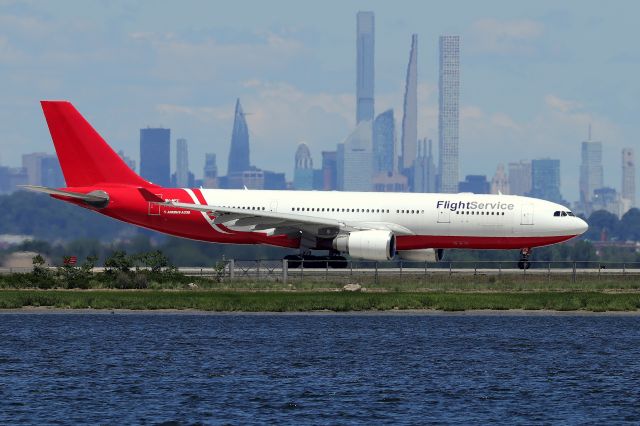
(154, 368)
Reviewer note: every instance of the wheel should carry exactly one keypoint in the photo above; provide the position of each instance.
(338, 262)
(294, 261)
(524, 264)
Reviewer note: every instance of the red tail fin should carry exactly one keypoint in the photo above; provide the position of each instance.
(85, 158)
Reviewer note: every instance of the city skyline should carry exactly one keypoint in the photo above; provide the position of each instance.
(526, 92)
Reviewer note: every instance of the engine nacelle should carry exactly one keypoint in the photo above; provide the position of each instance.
(370, 245)
(422, 255)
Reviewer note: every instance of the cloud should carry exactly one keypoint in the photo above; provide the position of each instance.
(505, 36)
(175, 57)
(562, 105)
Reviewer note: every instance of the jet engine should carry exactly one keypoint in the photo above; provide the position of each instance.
(370, 245)
(422, 255)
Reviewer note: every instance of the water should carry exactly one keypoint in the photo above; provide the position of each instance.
(338, 369)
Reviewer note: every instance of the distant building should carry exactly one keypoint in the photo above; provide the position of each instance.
(424, 170)
(384, 142)
(389, 182)
(32, 163)
(11, 178)
(274, 180)
(239, 160)
(520, 178)
(303, 170)
(365, 44)
(42, 169)
(608, 199)
(357, 161)
(448, 113)
(410, 110)
(591, 173)
(183, 178)
(329, 170)
(251, 179)
(477, 184)
(545, 180)
(51, 173)
(128, 160)
(210, 171)
(500, 181)
(155, 155)
(629, 176)
(340, 167)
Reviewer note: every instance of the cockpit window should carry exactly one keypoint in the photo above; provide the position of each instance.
(556, 213)
(564, 213)
(570, 214)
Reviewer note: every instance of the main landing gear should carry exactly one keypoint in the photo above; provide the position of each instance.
(524, 263)
(308, 260)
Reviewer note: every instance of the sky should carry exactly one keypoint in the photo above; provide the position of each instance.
(533, 75)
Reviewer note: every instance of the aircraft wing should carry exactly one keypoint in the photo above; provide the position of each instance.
(277, 222)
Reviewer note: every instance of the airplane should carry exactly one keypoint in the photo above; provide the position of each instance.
(365, 225)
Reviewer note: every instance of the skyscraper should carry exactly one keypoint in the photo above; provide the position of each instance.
(329, 170)
(424, 169)
(384, 142)
(130, 162)
(410, 109)
(182, 164)
(365, 44)
(590, 169)
(239, 153)
(629, 176)
(357, 159)
(155, 150)
(500, 182)
(520, 178)
(545, 180)
(448, 112)
(210, 171)
(303, 170)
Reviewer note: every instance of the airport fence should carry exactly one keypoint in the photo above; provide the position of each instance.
(344, 272)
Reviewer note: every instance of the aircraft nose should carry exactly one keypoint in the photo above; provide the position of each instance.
(582, 226)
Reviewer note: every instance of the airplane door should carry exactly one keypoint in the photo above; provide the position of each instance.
(273, 207)
(154, 209)
(444, 216)
(527, 215)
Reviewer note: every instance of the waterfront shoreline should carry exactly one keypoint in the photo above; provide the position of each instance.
(309, 301)
(44, 310)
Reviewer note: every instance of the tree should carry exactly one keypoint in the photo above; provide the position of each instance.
(602, 221)
(629, 229)
(118, 261)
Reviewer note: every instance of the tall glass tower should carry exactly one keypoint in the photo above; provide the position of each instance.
(155, 161)
(384, 141)
(182, 163)
(590, 169)
(239, 153)
(364, 66)
(448, 114)
(410, 110)
(629, 176)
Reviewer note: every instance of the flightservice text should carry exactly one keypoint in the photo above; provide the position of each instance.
(473, 205)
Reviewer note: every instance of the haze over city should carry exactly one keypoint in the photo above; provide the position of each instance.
(532, 77)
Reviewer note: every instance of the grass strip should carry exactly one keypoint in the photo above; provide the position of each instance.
(238, 301)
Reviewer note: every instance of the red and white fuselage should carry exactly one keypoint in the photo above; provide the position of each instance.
(97, 179)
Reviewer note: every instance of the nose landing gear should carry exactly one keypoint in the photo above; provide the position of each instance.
(523, 263)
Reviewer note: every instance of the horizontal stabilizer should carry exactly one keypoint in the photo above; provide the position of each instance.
(93, 197)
